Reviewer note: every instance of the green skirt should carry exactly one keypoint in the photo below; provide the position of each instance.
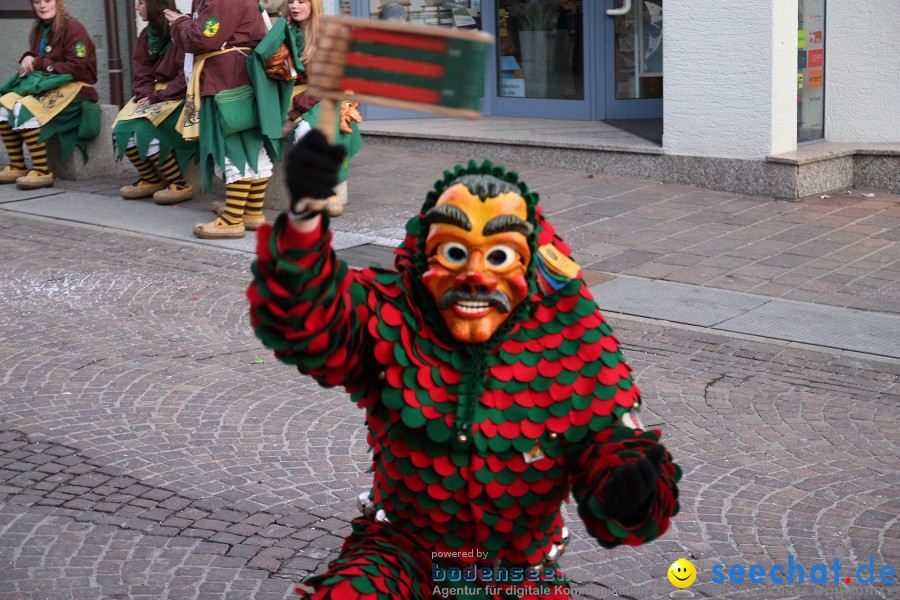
(241, 148)
(74, 126)
(352, 142)
(170, 141)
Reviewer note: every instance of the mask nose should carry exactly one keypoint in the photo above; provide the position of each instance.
(476, 278)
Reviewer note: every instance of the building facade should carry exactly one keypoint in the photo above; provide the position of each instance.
(769, 80)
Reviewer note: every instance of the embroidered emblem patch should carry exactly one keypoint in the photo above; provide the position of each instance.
(210, 27)
(80, 49)
(533, 455)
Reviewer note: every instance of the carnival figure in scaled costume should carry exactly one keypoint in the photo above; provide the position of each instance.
(492, 387)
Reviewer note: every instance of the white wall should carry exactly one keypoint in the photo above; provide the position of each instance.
(730, 78)
(862, 71)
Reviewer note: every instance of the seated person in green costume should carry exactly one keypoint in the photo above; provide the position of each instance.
(50, 95)
(145, 130)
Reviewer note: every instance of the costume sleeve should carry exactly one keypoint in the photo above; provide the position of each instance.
(301, 103)
(213, 27)
(177, 88)
(142, 67)
(308, 307)
(79, 55)
(594, 463)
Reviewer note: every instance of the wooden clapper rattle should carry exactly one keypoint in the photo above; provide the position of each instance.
(427, 69)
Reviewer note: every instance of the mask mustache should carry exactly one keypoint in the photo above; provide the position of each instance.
(496, 299)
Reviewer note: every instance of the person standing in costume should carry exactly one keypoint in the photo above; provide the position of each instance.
(305, 18)
(221, 112)
(50, 95)
(491, 384)
(145, 129)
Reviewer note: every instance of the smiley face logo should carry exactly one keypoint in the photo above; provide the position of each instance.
(682, 573)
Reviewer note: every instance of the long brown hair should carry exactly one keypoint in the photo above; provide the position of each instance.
(156, 20)
(310, 28)
(56, 30)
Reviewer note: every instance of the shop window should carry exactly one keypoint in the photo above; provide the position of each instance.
(810, 70)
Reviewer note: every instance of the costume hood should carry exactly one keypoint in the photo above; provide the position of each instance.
(412, 261)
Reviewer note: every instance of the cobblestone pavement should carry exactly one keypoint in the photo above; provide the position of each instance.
(146, 453)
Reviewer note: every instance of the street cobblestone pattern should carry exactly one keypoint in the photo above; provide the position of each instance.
(145, 452)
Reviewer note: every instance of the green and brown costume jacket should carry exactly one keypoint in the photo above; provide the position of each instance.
(157, 67)
(235, 27)
(475, 447)
(71, 57)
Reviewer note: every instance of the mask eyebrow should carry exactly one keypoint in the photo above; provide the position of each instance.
(450, 215)
(505, 223)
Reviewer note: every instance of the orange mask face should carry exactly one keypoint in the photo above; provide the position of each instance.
(478, 255)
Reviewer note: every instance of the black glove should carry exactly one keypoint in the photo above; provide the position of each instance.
(628, 492)
(312, 169)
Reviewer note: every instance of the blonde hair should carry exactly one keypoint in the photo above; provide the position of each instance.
(310, 28)
(56, 30)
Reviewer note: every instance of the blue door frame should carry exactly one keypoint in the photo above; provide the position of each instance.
(613, 108)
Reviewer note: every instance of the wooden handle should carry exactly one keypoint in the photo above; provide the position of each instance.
(328, 119)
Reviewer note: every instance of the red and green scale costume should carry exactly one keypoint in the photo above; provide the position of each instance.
(450, 423)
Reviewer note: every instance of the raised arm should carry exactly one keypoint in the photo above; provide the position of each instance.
(304, 302)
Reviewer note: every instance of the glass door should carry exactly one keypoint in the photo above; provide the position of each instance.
(539, 65)
(634, 50)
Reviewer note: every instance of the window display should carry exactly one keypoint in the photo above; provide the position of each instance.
(539, 45)
(810, 70)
